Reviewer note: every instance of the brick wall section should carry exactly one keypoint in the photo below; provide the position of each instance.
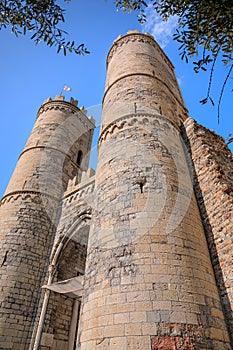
(213, 164)
(148, 272)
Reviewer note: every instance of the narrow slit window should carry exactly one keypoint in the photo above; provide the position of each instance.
(79, 158)
(141, 186)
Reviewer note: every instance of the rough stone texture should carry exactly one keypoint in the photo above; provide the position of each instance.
(26, 233)
(74, 223)
(151, 86)
(134, 230)
(76, 205)
(148, 265)
(59, 311)
(29, 213)
(213, 164)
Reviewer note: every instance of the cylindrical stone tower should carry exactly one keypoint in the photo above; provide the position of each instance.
(149, 282)
(29, 212)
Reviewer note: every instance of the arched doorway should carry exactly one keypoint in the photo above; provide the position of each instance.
(60, 308)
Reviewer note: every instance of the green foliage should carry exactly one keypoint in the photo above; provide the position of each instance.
(229, 139)
(41, 19)
(132, 5)
(205, 28)
(205, 31)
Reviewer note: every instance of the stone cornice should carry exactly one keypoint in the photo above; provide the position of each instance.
(66, 107)
(79, 187)
(27, 192)
(137, 118)
(63, 106)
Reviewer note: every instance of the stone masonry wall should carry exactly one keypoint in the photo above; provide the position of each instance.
(154, 277)
(24, 257)
(74, 224)
(59, 312)
(145, 282)
(149, 281)
(29, 213)
(213, 164)
(149, 85)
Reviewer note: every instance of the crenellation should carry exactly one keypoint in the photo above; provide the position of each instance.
(74, 102)
(80, 190)
(59, 104)
(84, 111)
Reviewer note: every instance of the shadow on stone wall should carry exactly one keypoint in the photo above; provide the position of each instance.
(208, 229)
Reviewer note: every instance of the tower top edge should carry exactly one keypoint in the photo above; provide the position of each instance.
(133, 34)
(60, 98)
(59, 102)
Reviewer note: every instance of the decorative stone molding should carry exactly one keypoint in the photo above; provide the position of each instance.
(71, 225)
(80, 192)
(62, 106)
(139, 119)
(13, 196)
(67, 107)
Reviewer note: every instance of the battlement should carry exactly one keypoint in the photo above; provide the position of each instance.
(62, 98)
(74, 185)
(71, 106)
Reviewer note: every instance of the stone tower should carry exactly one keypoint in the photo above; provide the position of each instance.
(144, 246)
(56, 151)
(149, 282)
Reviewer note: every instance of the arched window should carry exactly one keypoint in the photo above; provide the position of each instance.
(79, 157)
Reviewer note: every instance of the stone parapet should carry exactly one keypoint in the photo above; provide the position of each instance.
(71, 107)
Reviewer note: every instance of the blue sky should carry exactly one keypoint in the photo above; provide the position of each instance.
(30, 74)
